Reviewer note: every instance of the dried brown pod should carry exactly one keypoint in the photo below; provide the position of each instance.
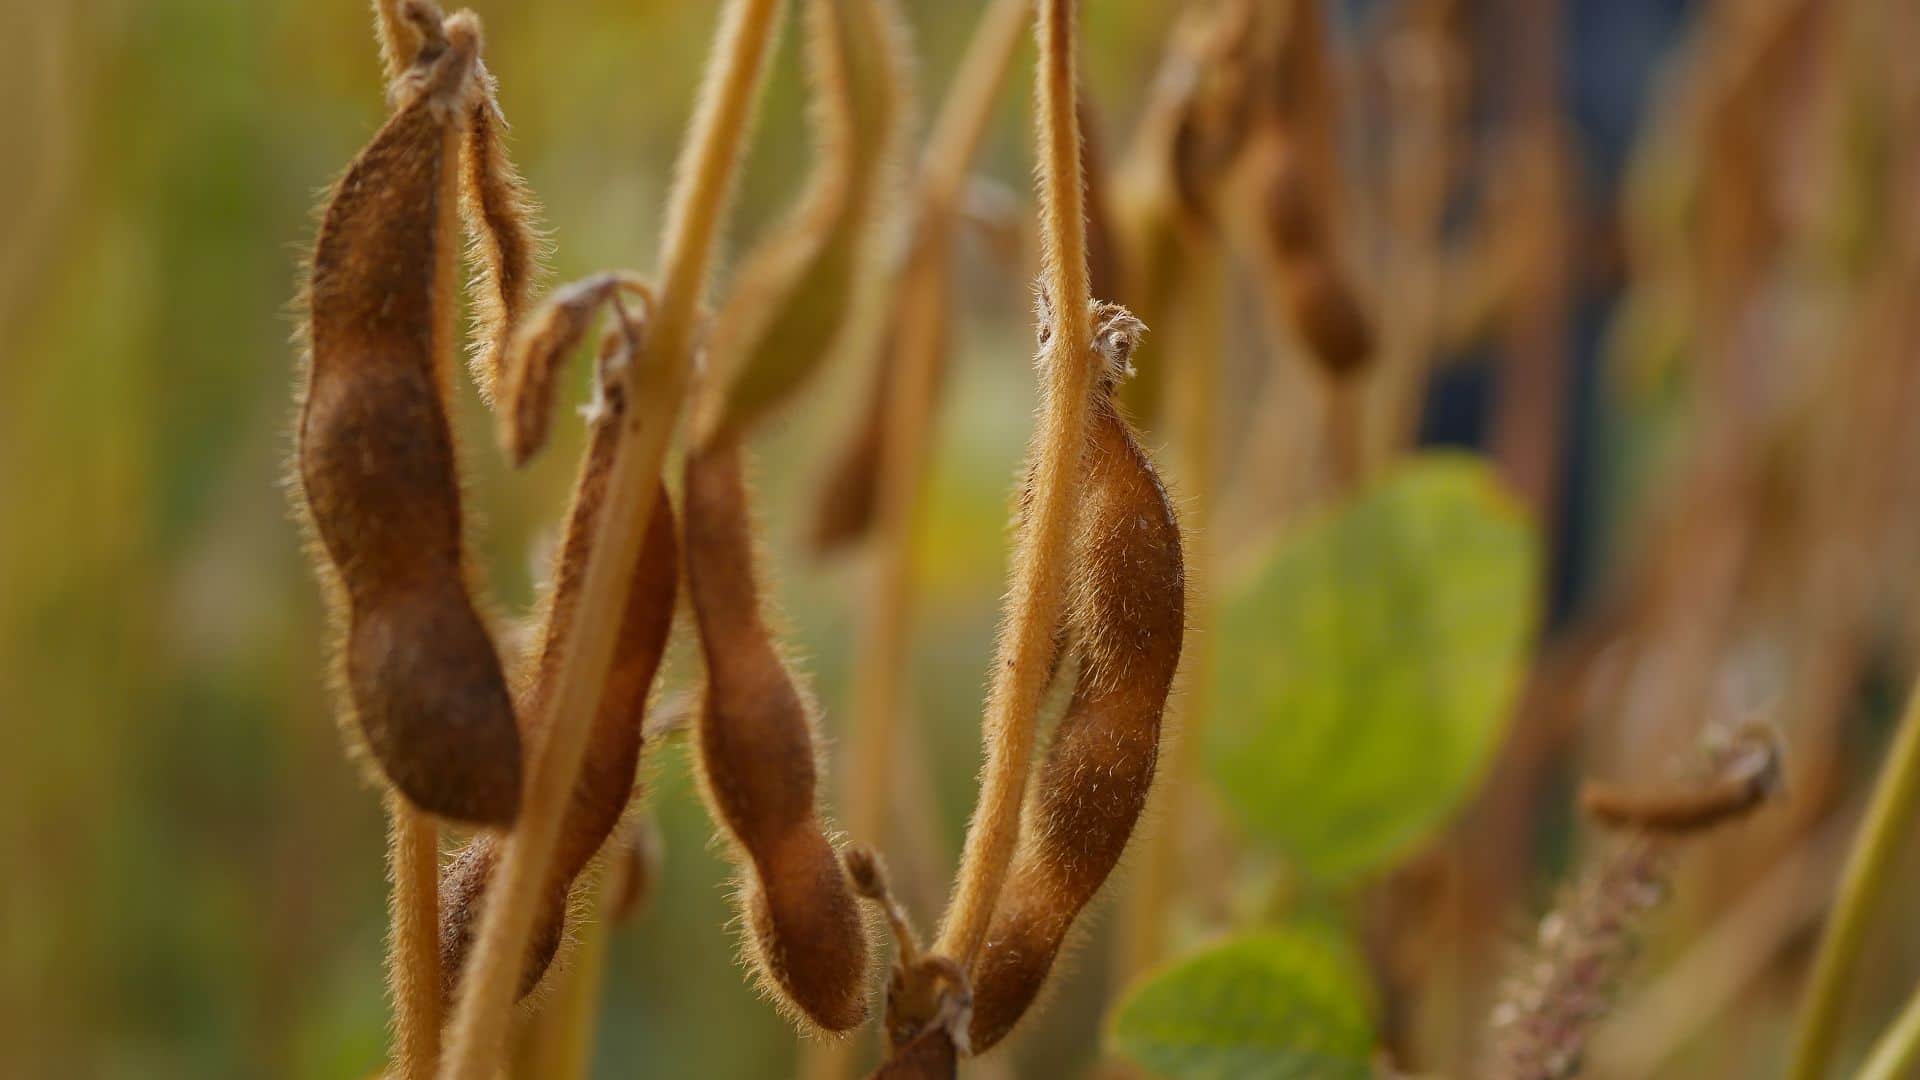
(758, 764)
(377, 462)
(849, 495)
(607, 773)
(541, 345)
(1748, 777)
(504, 245)
(1126, 606)
(1305, 271)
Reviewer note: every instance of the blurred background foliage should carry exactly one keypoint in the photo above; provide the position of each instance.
(190, 875)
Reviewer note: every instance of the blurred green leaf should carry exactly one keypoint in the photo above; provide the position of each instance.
(1368, 667)
(1274, 1004)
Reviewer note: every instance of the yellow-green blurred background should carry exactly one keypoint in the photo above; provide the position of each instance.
(191, 879)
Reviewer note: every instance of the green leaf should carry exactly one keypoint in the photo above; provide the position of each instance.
(1365, 673)
(1276, 1004)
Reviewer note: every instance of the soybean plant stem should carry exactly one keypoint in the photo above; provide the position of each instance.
(1039, 573)
(1194, 333)
(413, 948)
(655, 384)
(559, 1044)
(1881, 838)
(1897, 1053)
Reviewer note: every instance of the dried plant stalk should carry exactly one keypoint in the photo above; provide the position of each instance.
(611, 762)
(377, 461)
(1547, 1013)
(1037, 595)
(655, 384)
(912, 356)
(789, 301)
(413, 954)
(1882, 836)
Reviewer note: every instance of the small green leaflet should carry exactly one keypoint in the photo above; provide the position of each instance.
(1365, 673)
(1273, 1005)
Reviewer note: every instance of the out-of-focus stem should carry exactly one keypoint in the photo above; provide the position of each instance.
(413, 946)
(879, 708)
(1195, 350)
(655, 385)
(559, 1044)
(1897, 1054)
(1881, 838)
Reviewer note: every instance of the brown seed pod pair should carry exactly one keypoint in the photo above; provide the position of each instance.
(608, 771)
(377, 461)
(1126, 605)
(758, 763)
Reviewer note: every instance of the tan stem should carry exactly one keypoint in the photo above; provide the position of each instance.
(559, 1044)
(1039, 572)
(655, 385)
(878, 705)
(1878, 844)
(1195, 348)
(413, 951)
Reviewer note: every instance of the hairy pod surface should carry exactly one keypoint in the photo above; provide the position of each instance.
(757, 761)
(377, 460)
(541, 345)
(1124, 623)
(504, 245)
(610, 767)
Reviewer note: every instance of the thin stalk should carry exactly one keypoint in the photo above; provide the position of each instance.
(1897, 1053)
(1881, 839)
(1025, 654)
(413, 949)
(968, 108)
(1195, 413)
(655, 385)
(923, 300)
(559, 1044)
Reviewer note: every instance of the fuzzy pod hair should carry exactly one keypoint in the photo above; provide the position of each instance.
(759, 767)
(1125, 618)
(545, 340)
(611, 764)
(505, 248)
(793, 292)
(377, 462)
